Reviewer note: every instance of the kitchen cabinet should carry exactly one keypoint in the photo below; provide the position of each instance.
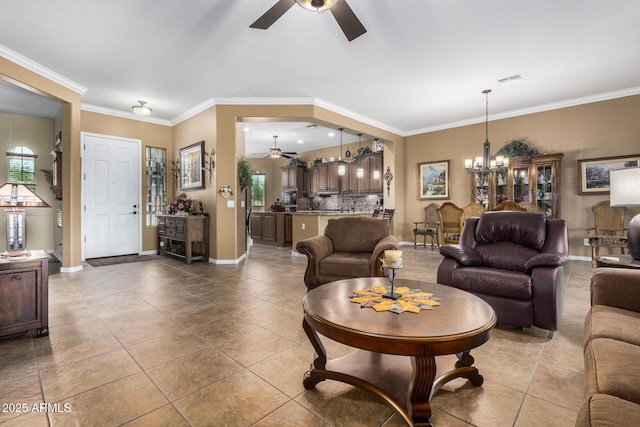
(185, 237)
(271, 228)
(532, 179)
(24, 294)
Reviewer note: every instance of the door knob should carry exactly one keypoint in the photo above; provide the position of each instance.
(134, 212)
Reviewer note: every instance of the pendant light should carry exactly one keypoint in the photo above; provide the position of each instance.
(342, 167)
(360, 170)
(485, 163)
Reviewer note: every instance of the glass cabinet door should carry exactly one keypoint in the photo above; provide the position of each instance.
(544, 193)
(502, 188)
(481, 188)
(521, 184)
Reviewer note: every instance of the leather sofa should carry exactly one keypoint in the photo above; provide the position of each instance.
(350, 247)
(612, 350)
(514, 261)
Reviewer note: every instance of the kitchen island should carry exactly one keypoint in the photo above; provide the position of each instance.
(312, 223)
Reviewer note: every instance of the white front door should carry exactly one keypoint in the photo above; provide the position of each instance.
(111, 189)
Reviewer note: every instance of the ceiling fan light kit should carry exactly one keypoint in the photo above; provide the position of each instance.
(342, 13)
(276, 153)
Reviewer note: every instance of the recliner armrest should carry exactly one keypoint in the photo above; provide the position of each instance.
(316, 249)
(546, 260)
(463, 254)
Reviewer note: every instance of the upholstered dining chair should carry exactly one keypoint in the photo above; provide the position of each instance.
(472, 210)
(609, 231)
(508, 205)
(529, 207)
(429, 227)
(451, 217)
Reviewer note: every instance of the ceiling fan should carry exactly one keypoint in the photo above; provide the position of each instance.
(344, 16)
(276, 153)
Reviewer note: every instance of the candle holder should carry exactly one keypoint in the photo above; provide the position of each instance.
(389, 268)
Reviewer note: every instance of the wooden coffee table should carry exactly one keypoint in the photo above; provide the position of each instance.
(385, 339)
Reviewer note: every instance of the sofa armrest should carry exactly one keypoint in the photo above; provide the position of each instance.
(316, 249)
(386, 243)
(616, 287)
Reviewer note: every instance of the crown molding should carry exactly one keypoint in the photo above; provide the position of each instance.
(123, 114)
(193, 111)
(606, 96)
(30, 65)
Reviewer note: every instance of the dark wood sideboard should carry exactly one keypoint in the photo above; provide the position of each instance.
(24, 294)
(185, 237)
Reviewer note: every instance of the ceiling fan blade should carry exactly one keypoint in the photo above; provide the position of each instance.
(273, 14)
(286, 156)
(348, 21)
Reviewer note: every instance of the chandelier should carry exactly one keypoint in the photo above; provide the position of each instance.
(486, 163)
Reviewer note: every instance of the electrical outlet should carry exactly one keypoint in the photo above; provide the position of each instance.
(303, 226)
(586, 242)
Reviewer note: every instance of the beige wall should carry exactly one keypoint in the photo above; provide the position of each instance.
(151, 135)
(38, 135)
(601, 129)
(70, 100)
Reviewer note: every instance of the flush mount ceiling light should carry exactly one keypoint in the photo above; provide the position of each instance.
(141, 110)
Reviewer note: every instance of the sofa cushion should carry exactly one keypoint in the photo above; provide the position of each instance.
(611, 367)
(603, 321)
(602, 410)
(492, 281)
(526, 228)
(346, 264)
(357, 234)
(505, 255)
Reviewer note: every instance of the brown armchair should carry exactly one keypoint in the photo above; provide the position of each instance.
(350, 247)
(514, 261)
(609, 231)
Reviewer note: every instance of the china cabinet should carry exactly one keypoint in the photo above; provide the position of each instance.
(534, 179)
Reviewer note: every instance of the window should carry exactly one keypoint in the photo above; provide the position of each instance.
(21, 165)
(257, 190)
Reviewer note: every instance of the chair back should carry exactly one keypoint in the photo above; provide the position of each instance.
(451, 217)
(356, 234)
(431, 218)
(609, 220)
(474, 209)
(508, 205)
(376, 213)
(529, 207)
(388, 214)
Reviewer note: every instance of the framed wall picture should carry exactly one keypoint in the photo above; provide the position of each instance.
(191, 167)
(593, 174)
(434, 180)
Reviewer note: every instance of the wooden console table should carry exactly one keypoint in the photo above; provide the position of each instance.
(24, 294)
(185, 237)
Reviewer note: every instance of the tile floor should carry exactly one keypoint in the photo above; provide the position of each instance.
(162, 343)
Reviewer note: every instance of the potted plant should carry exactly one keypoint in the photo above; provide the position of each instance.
(245, 172)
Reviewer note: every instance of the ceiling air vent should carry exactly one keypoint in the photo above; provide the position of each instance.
(509, 80)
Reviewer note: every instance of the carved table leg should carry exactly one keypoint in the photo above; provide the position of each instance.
(424, 374)
(320, 362)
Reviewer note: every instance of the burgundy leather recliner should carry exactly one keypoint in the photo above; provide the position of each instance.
(514, 261)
